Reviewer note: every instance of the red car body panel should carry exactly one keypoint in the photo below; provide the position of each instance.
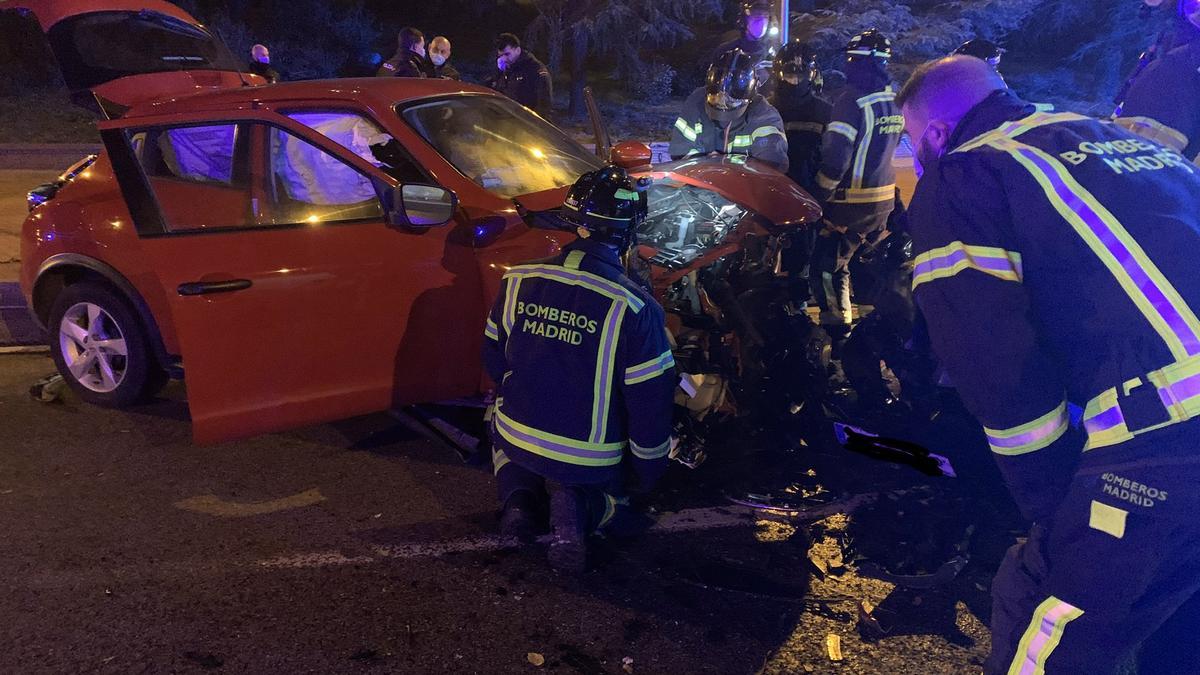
(339, 319)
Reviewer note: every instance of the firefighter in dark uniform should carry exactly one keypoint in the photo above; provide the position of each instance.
(1055, 266)
(1163, 102)
(755, 40)
(856, 183)
(805, 114)
(586, 377)
(727, 116)
(409, 60)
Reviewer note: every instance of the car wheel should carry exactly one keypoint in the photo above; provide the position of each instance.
(100, 347)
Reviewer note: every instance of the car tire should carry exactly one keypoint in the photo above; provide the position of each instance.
(101, 348)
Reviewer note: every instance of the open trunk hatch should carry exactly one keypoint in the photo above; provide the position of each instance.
(118, 53)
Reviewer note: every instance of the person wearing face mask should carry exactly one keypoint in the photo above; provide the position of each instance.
(727, 116)
(805, 114)
(1054, 268)
(521, 77)
(260, 64)
(439, 58)
(1163, 101)
(409, 60)
(856, 182)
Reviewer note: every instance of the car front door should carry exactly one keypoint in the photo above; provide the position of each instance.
(290, 293)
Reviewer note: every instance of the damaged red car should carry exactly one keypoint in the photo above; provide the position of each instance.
(308, 251)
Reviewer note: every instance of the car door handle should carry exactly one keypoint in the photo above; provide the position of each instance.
(206, 287)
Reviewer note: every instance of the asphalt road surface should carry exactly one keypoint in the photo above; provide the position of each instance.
(363, 547)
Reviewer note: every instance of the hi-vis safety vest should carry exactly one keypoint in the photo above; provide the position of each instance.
(584, 369)
(757, 134)
(856, 153)
(1056, 264)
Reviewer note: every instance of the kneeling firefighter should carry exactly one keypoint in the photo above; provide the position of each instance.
(585, 378)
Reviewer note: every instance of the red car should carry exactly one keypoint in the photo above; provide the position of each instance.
(307, 251)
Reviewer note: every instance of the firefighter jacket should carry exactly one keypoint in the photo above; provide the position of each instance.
(1056, 264)
(804, 120)
(527, 82)
(1163, 103)
(757, 133)
(857, 150)
(585, 372)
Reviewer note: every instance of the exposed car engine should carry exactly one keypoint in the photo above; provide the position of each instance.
(685, 221)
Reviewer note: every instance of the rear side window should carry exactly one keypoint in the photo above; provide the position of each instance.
(248, 175)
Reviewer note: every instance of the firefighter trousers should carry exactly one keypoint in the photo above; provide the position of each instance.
(846, 230)
(1114, 570)
(602, 507)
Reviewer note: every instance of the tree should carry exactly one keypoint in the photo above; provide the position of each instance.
(619, 28)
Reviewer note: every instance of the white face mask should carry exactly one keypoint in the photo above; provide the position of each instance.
(437, 59)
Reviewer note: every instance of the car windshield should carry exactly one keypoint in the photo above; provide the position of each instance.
(500, 145)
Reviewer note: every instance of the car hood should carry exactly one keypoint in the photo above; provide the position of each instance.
(115, 54)
(751, 184)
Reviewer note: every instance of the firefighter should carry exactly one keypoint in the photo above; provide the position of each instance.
(1163, 101)
(409, 60)
(585, 377)
(754, 40)
(727, 116)
(1054, 267)
(856, 182)
(805, 113)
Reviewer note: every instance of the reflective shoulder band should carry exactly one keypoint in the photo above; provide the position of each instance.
(1042, 636)
(844, 129)
(1018, 127)
(949, 260)
(1032, 436)
(656, 452)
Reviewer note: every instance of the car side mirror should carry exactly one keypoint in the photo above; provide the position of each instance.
(421, 205)
(631, 155)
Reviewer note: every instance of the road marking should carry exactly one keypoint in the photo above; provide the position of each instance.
(215, 506)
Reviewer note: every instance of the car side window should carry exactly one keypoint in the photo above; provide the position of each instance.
(306, 184)
(197, 165)
(364, 138)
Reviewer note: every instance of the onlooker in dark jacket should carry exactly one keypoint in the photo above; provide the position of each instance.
(439, 59)
(522, 77)
(260, 64)
(409, 60)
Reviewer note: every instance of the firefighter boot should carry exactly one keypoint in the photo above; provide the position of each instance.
(568, 548)
(519, 517)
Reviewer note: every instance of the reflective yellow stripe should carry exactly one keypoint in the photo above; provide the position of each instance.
(878, 97)
(574, 258)
(606, 358)
(1178, 386)
(1014, 129)
(499, 459)
(1032, 436)
(686, 129)
(650, 369)
(609, 289)
(763, 132)
(827, 182)
(1042, 636)
(1172, 319)
(491, 330)
(747, 140)
(1156, 131)
(949, 260)
(844, 129)
(860, 160)
(657, 452)
(510, 303)
(738, 142)
(558, 448)
(883, 193)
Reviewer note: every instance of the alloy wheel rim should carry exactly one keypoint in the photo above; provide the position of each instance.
(93, 347)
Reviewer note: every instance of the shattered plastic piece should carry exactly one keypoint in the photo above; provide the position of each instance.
(48, 389)
(893, 450)
(944, 575)
(868, 622)
(833, 646)
(536, 659)
(627, 664)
